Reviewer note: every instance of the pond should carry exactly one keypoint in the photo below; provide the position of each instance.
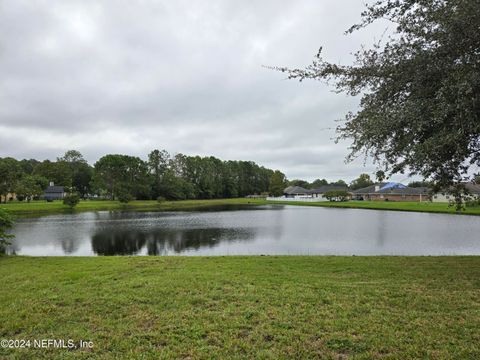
(255, 230)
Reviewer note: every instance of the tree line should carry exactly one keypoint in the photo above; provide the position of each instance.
(124, 177)
(161, 176)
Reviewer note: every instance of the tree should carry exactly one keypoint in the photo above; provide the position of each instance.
(10, 173)
(72, 157)
(71, 200)
(278, 183)
(124, 194)
(122, 175)
(28, 166)
(128, 177)
(6, 222)
(476, 179)
(317, 183)
(157, 165)
(56, 172)
(174, 188)
(339, 183)
(82, 178)
(416, 184)
(380, 175)
(297, 182)
(108, 173)
(420, 106)
(30, 186)
(80, 172)
(336, 195)
(362, 181)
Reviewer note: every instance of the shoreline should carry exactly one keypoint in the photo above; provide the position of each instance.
(41, 208)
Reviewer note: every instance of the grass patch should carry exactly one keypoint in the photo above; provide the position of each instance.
(42, 207)
(243, 307)
(430, 207)
(38, 208)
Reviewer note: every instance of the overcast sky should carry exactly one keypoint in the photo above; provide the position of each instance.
(186, 76)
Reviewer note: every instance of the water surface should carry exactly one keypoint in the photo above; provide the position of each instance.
(272, 230)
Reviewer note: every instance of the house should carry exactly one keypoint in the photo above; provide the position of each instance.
(392, 191)
(473, 191)
(293, 193)
(9, 197)
(53, 192)
(296, 192)
(318, 193)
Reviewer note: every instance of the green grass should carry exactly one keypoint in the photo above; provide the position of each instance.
(390, 205)
(37, 208)
(243, 307)
(42, 207)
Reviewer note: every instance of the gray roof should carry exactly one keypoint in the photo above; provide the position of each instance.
(325, 188)
(473, 188)
(295, 190)
(369, 189)
(401, 191)
(54, 190)
(407, 191)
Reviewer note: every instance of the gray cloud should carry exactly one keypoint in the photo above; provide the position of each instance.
(187, 76)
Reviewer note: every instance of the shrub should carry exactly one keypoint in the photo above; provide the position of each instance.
(71, 200)
(473, 202)
(6, 222)
(337, 195)
(124, 197)
(161, 199)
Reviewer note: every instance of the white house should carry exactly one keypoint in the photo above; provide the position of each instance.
(297, 193)
(473, 191)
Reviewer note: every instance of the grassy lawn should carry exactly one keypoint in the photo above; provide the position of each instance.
(43, 207)
(243, 307)
(391, 205)
(36, 208)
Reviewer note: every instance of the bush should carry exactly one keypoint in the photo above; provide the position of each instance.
(71, 200)
(125, 197)
(161, 199)
(472, 202)
(337, 195)
(6, 222)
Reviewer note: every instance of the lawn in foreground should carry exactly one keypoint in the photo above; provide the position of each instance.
(244, 307)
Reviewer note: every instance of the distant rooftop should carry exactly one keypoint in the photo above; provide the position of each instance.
(391, 188)
(54, 190)
(295, 190)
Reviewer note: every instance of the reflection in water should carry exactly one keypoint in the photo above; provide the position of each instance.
(382, 229)
(118, 243)
(160, 242)
(69, 245)
(275, 230)
(193, 239)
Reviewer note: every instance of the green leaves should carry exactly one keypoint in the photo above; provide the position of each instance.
(420, 105)
(6, 222)
(71, 200)
(122, 176)
(278, 183)
(337, 195)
